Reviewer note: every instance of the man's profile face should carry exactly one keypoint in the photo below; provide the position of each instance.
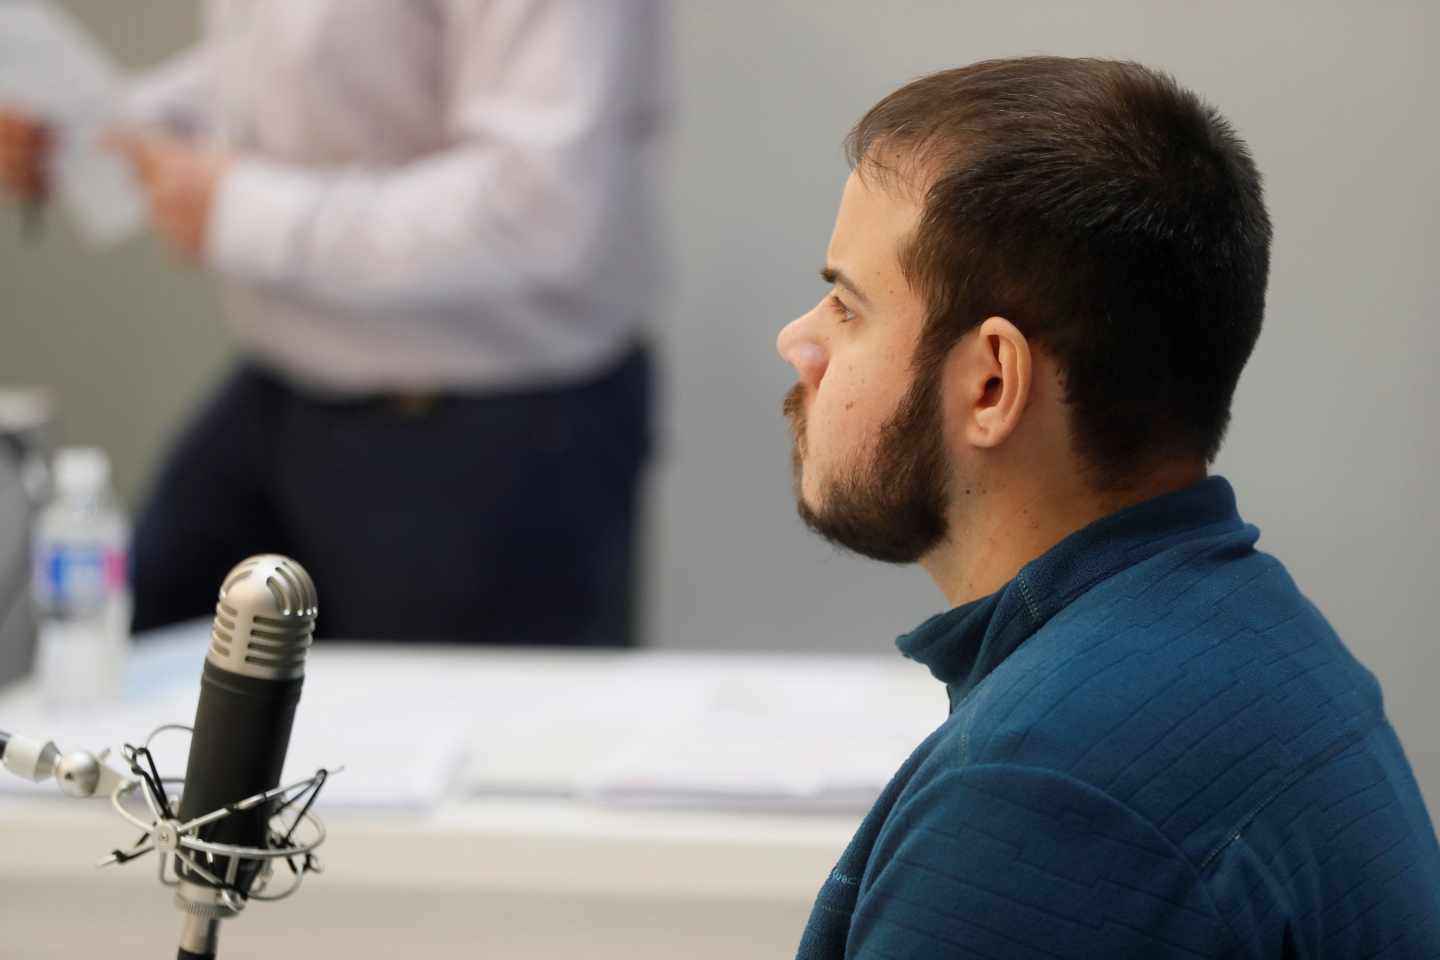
(870, 467)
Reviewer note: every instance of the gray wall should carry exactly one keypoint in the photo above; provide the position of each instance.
(1329, 449)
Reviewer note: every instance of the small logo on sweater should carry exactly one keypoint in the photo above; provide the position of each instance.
(844, 879)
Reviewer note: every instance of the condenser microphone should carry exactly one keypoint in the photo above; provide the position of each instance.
(250, 684)
(235, 820)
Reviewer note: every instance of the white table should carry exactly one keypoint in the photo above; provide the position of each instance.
(483, 878)
(478, 872)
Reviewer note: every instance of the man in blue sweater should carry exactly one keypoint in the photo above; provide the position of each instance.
(1044, 279)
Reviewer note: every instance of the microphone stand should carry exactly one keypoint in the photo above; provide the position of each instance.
(83, 774)
(198, 938)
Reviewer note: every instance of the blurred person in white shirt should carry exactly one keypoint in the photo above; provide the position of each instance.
(430, 224)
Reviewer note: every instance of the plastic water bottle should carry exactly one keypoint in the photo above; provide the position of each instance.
(82, 594)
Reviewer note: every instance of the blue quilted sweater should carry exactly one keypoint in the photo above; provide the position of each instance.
(1156, 747)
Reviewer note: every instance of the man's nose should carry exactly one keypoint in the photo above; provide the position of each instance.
(803, 351)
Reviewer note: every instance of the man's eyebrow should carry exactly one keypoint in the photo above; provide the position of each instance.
(837, 278)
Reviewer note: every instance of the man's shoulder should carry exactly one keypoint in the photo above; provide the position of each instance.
(1186, 692)
(1188, 749)
(1233, 750)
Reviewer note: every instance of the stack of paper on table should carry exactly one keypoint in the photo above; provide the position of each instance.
(416, 726)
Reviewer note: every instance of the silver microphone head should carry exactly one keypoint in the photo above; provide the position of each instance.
(265, 619)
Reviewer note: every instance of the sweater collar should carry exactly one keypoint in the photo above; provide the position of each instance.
(963, 645)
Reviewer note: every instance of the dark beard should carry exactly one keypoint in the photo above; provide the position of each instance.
(891, 509)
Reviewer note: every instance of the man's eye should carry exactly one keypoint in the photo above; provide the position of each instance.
(844, 313)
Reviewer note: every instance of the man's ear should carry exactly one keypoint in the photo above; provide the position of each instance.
(990, 378)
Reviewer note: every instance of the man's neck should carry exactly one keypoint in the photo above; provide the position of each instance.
(1011, 524)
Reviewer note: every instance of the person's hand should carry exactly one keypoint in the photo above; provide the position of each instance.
(24, 145)
(179, 181)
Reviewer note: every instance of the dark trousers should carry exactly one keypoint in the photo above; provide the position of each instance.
(507, 517)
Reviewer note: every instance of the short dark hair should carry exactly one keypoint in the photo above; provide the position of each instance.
(1114, 217)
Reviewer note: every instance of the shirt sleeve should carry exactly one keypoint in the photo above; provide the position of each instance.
(178, 95)
(1014, 862)
(541, 113)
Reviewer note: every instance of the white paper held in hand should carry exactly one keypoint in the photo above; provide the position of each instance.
(51, 67)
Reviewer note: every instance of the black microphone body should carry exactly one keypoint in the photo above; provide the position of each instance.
(242, 731)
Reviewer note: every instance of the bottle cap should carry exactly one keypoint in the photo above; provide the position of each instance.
(81, 471)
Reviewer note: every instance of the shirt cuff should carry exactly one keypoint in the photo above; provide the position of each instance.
(256, 221)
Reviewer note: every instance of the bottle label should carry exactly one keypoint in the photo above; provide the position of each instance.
(77, 579)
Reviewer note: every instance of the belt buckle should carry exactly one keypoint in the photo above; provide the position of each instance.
(412, 406)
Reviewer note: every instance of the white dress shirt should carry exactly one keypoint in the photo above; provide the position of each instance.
(428, 193)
